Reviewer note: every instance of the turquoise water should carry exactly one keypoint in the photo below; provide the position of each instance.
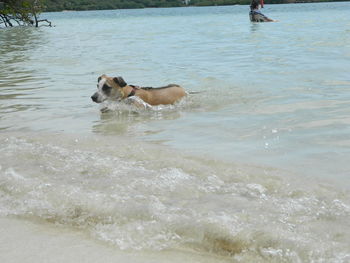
(278, 91)
(262, 149)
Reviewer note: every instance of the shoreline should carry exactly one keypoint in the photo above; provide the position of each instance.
(24, 240)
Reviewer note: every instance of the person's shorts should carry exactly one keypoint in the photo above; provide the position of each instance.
(257, 17)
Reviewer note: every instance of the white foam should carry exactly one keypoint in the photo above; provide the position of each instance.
(144, 197)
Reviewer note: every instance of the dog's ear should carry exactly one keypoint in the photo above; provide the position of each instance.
(100, 77)
(120, 81)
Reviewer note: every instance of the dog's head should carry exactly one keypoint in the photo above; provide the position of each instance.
(109, 89)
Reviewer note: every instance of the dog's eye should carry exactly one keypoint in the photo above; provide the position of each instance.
(106, 89)
(99, 78)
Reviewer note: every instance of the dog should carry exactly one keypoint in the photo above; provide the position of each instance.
(116, 89)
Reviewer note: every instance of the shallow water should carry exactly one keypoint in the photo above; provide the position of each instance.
(252, 168)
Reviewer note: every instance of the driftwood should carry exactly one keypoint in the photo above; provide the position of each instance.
(45, 20)
(11, 21)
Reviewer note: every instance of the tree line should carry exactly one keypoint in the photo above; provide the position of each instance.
(59, 5)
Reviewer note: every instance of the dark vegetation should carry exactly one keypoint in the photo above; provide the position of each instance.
(59, 5)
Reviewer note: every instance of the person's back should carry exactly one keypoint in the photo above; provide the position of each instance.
(255, 14)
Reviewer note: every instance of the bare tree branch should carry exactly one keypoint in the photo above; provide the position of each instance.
(23, 12)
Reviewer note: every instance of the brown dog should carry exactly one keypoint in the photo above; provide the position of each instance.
(117, 89)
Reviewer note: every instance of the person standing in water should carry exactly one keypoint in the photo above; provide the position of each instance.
(255, 14)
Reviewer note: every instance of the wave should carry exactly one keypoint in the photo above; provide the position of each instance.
(140, 196)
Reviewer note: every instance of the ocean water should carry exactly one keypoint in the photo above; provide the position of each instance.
(254, 167)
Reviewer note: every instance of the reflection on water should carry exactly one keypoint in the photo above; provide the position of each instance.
(17, 43)
(115, 123)
(254, 27)
(18, 82)
(125, 119)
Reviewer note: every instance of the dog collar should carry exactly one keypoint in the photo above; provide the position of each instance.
(133, 91)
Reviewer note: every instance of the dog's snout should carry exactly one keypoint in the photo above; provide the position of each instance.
(94, 97)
